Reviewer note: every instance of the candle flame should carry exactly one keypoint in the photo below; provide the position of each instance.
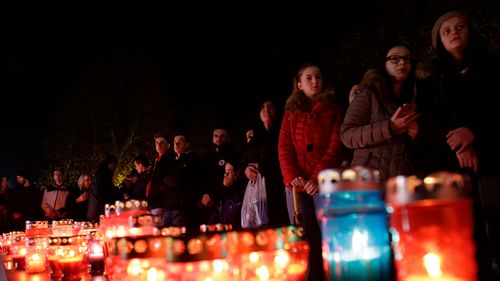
(134, 268)
(254, 257)
(152, 274)
(432, 263)
(359, 241)
(262, 272)
(35, 257)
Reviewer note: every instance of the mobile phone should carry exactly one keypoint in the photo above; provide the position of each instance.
(407, 108)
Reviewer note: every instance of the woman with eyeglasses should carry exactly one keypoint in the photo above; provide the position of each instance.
(381, 121)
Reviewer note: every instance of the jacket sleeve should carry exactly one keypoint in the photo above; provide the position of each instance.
(333, 155)
(45, 204)
(286, 153)
(358, 131)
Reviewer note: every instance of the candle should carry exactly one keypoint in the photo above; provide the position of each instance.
(19, 262)
(433, 237)
(96, 264)
(55, 267)
(70, 268)
(35, 263)
(353, 222)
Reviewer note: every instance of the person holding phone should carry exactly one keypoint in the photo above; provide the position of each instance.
(378, 125)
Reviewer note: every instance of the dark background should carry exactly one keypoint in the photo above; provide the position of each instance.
(214, 65)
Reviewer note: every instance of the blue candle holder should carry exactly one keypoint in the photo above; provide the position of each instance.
(353, 221)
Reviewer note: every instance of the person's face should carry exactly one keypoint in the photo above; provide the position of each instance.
(180, 144)
(161, 146)
(267, 112)
(57, 176)
(229, 175)
(87, 182)
(454, 34)
(219, 137)
(398, 63)
(311, 82)
(139, 167)
(112, 166)
(20, 180)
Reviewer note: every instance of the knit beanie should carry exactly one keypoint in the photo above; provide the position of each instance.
(435, 30)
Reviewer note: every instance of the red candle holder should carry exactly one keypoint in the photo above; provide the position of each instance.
(18, 250)
(65, 257)
(116, 223)
(62, 228)
(138, 258)
(37, 229)
(8, 240)
(268, 254)
(433, 225)
(35, 254)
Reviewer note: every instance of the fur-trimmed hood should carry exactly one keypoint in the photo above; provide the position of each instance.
(374, 82)
(298, 102)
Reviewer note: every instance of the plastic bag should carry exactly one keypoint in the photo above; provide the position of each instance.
(254, 208)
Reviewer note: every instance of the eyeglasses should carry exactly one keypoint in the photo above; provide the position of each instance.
(395, 59)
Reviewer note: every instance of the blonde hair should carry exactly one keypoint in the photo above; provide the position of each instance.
(82, 178)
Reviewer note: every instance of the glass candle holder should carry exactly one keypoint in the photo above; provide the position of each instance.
(7, 242)
(18, 250)
(37, 229)
(62, 228)
(144, 225)
(197, 257)
(65, 257)
(268, 254)
(95, 253)
(138, 258)
(116, 223)
(353, 221)
(35, 254)
(432, 225)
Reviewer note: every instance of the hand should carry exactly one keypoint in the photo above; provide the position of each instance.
(400, 124)
(467, 158)
(82, 198)
(459, 138)
(251, 172)
(311, 187)
(413, 130)
(206, 200)
(298, 183)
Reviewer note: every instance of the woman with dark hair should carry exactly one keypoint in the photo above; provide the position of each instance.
(309, 142)
(380, 123)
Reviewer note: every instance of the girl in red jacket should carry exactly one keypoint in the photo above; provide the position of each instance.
(309, 142)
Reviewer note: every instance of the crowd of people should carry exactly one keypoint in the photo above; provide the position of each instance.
(404, 117)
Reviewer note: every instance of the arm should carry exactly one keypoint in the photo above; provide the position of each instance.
(333, 155)
(286, 153)
(358, 131)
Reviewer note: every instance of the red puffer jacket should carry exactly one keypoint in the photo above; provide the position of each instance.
(310, 141)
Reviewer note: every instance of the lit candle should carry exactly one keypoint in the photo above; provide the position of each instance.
(432, 264)
(70, 267)
(96, 257)
(361, 262)
(353, 221)
(35, 263)
(433, 226)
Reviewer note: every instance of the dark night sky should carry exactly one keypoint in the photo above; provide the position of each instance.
(217, 57)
